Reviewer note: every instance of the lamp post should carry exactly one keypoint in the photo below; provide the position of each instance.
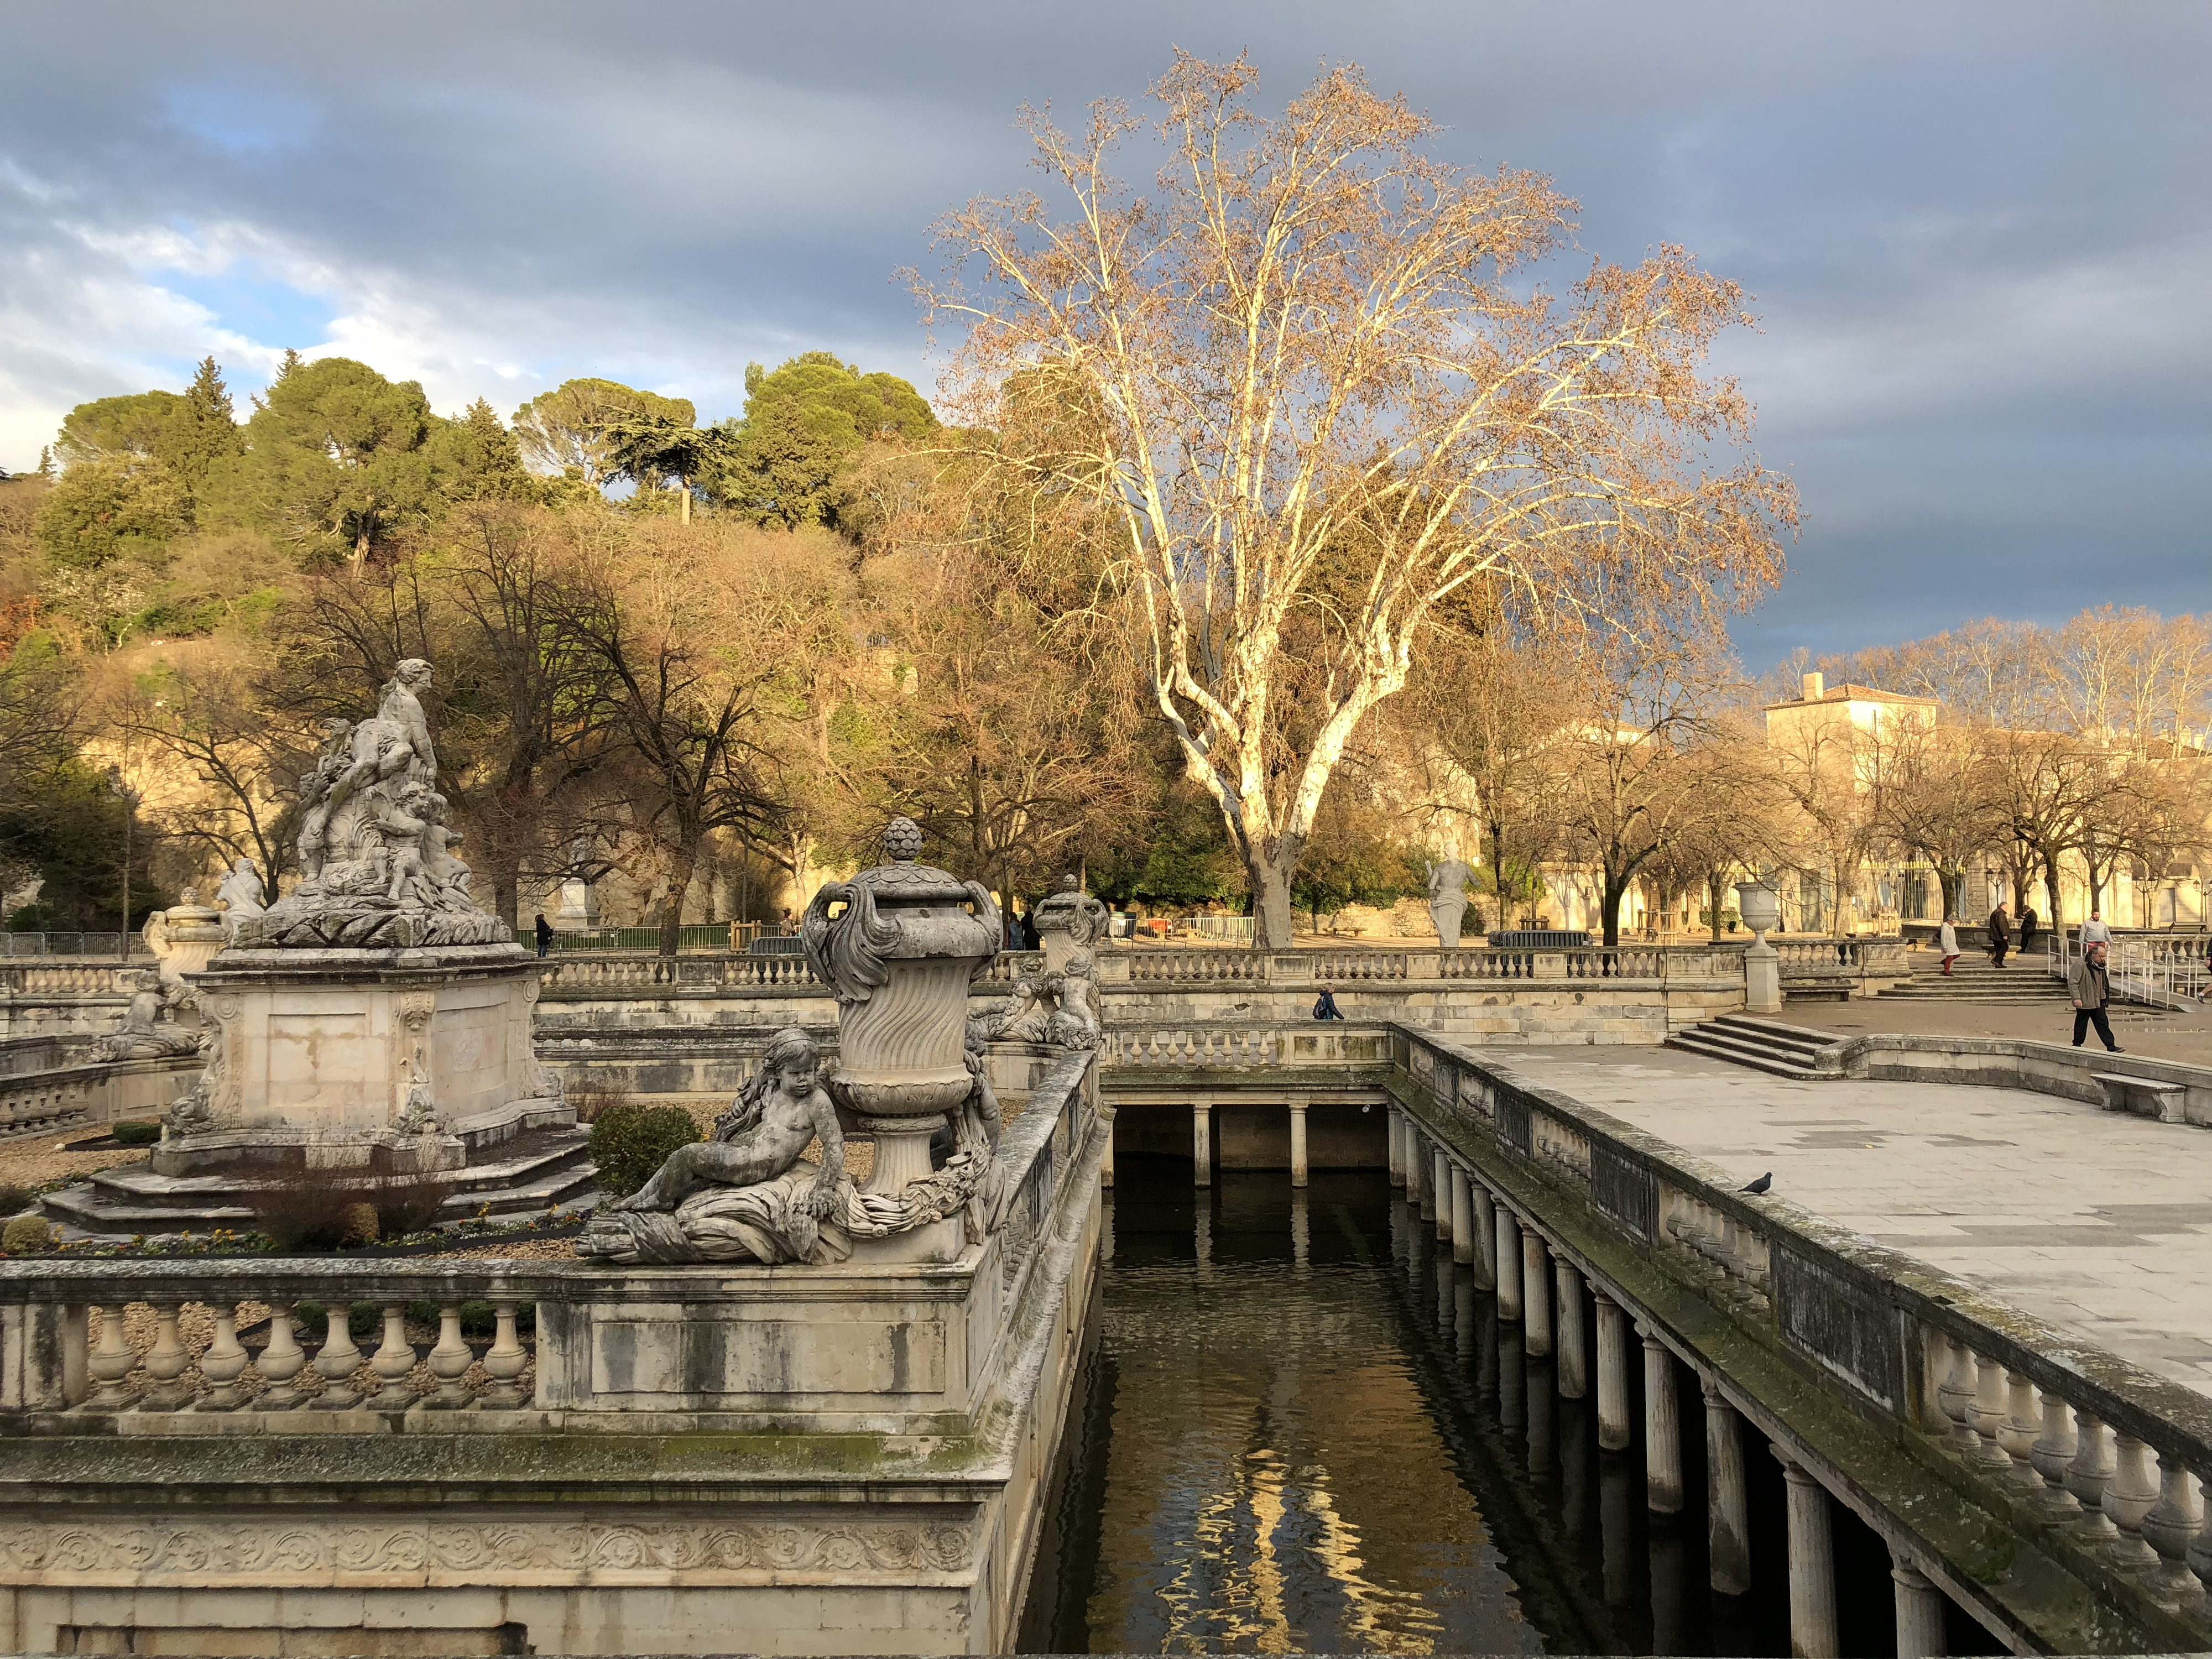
(129, 799)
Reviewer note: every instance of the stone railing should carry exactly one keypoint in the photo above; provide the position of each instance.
(68, 978)
(2090, 1457)
(1333, 1045)
(1655, 964)
(589, 974)
(83, 1092)
(226, 1346)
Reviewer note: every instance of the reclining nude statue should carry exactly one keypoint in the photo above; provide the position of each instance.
(746, 1193)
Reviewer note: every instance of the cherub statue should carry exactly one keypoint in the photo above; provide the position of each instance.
(447, 873)
(142, 1035)
(1073, 1024)
(240, 893)
(400, 827)
(781, 1109)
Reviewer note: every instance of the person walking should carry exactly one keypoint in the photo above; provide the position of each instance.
(544, 935)
(2095, 931)
(1325, 1005)
(1946, 945)
(2029, 922)
(2085, 982)
(2000, 935)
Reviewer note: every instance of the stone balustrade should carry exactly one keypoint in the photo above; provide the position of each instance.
(1655, 964)
(620, 972)
(2098, 1467)
(1336, 1045)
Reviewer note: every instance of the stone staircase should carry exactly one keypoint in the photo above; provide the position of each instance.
(1972, 980)
(540, 1171)
(1765, 1045)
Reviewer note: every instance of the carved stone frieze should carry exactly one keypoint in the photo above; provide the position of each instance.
(209, 1552)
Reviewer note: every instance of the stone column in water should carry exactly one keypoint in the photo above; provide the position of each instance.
(1812, 1565)
(1570, 1344)
(1426, 1166)
(1440, 1184)
(1202, 1146)
(1297, 1143)
(1662, 1430)
(1106, 1168)
(1919, 1611)
(1509, 1264)
(1728, 1510)
(1462, 1219)
(1614, 1430)
(1485, 1238)
(1536, 1294)
(1397, 1130)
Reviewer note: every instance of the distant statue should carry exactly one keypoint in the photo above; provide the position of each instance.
(376, 850)
(1073, 911)
(1448, 900)
(1073, 1025)
(144, 1033)
(241, 895)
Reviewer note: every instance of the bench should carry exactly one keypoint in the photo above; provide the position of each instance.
(2147, 1095)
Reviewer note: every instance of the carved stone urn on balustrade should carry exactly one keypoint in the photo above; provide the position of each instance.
(1760, 909)
(898, 945)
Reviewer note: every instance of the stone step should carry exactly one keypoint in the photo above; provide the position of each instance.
(1704, 1040)
(94, 1211)
(1772, 1033)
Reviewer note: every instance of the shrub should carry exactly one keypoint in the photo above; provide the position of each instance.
(594, 1101)
(408, 1205)
(629, 1143)
(359, 1220)
(308, 1210)
(14, 1200)
(135, 1131)
(27, 1235)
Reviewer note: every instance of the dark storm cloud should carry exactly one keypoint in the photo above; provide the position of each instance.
(1978, 234)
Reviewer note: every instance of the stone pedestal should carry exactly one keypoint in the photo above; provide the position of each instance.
(580, 904)
(384, 1061)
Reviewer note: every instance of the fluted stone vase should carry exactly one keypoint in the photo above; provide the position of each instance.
(899, 945)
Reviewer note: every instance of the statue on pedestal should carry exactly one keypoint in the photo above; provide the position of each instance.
(241, 895)
(143, 1032)
(375, 851)
(1448, 900)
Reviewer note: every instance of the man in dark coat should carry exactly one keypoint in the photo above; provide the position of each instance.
(2028, 923)
(544, 935)
(2086, 984)
(2000, 936)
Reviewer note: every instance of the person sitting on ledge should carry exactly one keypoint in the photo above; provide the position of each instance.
(1325, 1005)
(780, 1110)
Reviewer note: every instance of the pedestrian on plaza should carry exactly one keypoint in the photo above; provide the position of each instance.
(2028, 923)
(2091, 990)
(2000, 935)
(787, 928)
(1946, 945)
(2095, 931)
(1325, 1005)
(544, 935)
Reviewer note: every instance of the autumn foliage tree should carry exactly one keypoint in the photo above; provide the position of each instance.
(1328, 391)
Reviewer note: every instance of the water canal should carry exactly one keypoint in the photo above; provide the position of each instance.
(1298, 1429)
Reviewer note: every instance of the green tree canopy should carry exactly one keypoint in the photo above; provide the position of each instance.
(187, 434)
(570, 426)
(802, 424)
(121, 505)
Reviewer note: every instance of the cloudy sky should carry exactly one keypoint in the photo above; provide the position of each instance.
(1979, 235)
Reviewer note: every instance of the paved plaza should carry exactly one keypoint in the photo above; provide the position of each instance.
(2101, 1224)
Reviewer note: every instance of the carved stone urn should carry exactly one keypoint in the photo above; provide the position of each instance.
(1068, 922)
(899, 946)
(1760, 906)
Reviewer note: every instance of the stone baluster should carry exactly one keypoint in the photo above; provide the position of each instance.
(112, 1360)
(2130, 1497)
(394, 1360)
(1570, 1343)
(2200, 1548)
(281, 1361)
(1614, 1430)
(338, 1360)
(166, 1364)
(224, 1361)
(2022, 1422)
(1956, 1395)
(2169, 1528)
(1662, 1429)
(1727, 1506)
(2049, 1456)
(1508, 1266)
(1535, 1295)
(1919, 1610)
(450, 1360)
(2088, 1476)
(1988, 1456)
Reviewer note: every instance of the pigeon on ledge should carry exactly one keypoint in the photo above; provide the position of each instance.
(1761, 1184)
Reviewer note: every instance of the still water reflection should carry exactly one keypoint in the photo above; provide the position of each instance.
(1302, 1429)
